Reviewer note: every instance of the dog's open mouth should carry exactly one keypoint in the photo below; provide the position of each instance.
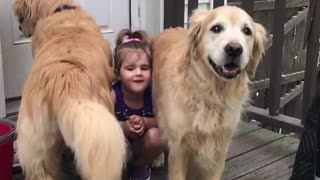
(227, 71)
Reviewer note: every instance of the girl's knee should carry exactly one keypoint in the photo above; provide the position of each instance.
(153, 138)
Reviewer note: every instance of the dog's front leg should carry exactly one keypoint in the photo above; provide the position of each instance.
(218, 170)
(178, 162)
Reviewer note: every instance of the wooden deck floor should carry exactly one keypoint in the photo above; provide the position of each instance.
(254, 154)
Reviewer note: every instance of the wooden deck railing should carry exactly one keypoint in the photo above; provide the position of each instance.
(174, 12)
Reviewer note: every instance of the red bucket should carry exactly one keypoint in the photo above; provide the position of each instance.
(7, 131)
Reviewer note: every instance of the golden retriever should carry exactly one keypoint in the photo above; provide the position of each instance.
(200, 86)
(66, 99)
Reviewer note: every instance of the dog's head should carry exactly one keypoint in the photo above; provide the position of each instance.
(227, 40)
(29, 12)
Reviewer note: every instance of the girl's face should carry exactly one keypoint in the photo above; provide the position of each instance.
(135, 71)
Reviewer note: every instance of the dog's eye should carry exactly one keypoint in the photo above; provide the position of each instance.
(216, 28)
(247, 31)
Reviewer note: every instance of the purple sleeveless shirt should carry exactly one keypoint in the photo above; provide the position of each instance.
(123, 112)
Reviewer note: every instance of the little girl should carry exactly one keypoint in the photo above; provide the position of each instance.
(133, 101)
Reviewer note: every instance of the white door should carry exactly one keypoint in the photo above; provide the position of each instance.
(110, 15)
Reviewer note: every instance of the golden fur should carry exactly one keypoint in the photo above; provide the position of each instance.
(197, 108)
(66, 99)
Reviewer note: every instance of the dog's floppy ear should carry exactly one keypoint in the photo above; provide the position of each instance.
(20, 8)
(198, 16)
(258, 48)
(194, 30)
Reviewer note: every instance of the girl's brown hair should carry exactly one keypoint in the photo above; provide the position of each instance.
(128, 40)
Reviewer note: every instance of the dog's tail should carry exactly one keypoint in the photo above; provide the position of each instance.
(96, 137)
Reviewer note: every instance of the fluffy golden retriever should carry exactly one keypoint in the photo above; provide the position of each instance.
(66, 99)
(200, 84)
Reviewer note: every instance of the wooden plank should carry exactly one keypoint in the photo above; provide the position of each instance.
(279, 170)
(277, 56)
(289, 25)
(282, 121)
(295, 20)
(258, 158)
(291, 95)
(244, 128)
(253, 140)
(296, 76)
(248, 6)
(288, 78)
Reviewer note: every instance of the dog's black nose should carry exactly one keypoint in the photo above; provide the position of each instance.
(20, 28)
(233, 49)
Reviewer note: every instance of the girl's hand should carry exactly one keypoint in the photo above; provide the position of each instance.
(131, 131)
(138, 124)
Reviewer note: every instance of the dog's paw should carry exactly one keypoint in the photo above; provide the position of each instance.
(159, 162)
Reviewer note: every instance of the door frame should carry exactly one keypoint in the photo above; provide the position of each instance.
(147, 15)
(2, 96)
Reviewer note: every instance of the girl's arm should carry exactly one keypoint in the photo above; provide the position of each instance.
(150, 122)
(123, 124)
(125, 128)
